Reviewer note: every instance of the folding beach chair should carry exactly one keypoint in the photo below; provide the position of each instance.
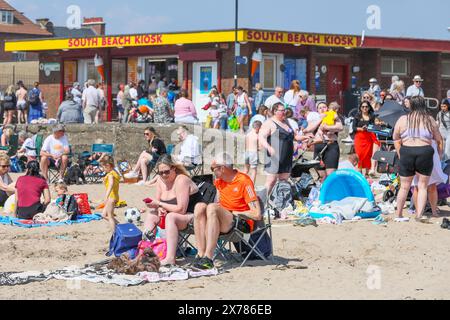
(246, 243)
(54, 174)
(94, 172)
(183, 239)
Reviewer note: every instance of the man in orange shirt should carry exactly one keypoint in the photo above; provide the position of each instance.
(237, 198)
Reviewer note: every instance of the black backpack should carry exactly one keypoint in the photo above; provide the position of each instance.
(8, 102)
(70, 206)
(33, 97)
(283, 195)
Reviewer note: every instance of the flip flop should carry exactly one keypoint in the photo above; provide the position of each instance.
(404, 219)
(423, 220)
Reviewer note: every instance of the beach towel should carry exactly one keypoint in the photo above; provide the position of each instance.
(6, 220)
(97, 274)
(346, 208)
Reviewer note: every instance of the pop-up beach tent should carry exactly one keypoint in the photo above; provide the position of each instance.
(343, 184)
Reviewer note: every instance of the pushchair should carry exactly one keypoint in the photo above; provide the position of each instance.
(301, 176)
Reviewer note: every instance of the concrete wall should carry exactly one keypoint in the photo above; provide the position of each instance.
(129, 139)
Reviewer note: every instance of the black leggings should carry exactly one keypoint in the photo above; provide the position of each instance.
(330, 156)
(416, 159)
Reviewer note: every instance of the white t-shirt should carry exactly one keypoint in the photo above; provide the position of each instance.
(56, 147)
(313, 117)
(272, 100)
(190, 149)
(133, 93)
(29, 145)
(346, 165)
(293, 124)
(291, 99)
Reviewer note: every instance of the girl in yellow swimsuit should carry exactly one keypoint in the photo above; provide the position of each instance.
(111, 182)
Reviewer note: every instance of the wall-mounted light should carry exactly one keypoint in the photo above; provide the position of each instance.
(348, 48)
(243, 42)
(179, 44)
(65, 50)
(297, 44)
(119, 47)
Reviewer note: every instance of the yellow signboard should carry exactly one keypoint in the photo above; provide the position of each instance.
(144, 40)
(301, 38)
(140, 40)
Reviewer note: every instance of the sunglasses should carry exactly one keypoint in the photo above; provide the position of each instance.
(365, 107)
(5, 166)
(164, 172)
(146, 134)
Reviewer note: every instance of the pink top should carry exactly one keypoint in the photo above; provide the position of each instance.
(184, 107)
(29, 190)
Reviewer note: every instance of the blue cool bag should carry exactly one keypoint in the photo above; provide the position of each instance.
(125, 237)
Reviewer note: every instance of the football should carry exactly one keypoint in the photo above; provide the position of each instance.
(132, 215)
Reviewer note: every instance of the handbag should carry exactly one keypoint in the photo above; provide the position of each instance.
(159, 247)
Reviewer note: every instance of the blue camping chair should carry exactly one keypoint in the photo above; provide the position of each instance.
(94, 172)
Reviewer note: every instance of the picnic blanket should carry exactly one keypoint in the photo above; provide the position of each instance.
(97, 274)
(6, 220)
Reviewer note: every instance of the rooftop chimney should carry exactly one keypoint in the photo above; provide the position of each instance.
(96, 24)
(42, 22)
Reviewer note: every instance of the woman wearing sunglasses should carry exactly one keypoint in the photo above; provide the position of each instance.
(364, 140)
(156, 148)
(176, 197)
(6, 184)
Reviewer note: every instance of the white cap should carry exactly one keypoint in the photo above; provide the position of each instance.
(373, 80)
(418, 78)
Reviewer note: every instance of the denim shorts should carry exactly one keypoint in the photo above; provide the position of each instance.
(241, 111)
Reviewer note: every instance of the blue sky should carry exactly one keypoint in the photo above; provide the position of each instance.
(399, 18)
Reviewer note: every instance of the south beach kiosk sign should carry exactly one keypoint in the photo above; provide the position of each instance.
(143, 40)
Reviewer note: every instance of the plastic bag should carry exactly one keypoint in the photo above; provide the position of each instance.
(233, 123)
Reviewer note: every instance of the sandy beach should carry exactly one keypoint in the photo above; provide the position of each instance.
(355, 260)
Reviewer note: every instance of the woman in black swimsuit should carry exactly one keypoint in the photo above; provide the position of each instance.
(277, 137)
(176, 197)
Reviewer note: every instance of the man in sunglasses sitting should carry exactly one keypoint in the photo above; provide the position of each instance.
(237, 199)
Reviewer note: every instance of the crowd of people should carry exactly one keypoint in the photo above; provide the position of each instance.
(281, 126)
(22, 105)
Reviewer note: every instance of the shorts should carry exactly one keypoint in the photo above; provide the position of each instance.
(330, 156)
(416, 159)
(120, 109)
(52, 163)
(251, 158)
(10, 106)
(21, 105)
(216, 123)
(241, 112)
(28, 213)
